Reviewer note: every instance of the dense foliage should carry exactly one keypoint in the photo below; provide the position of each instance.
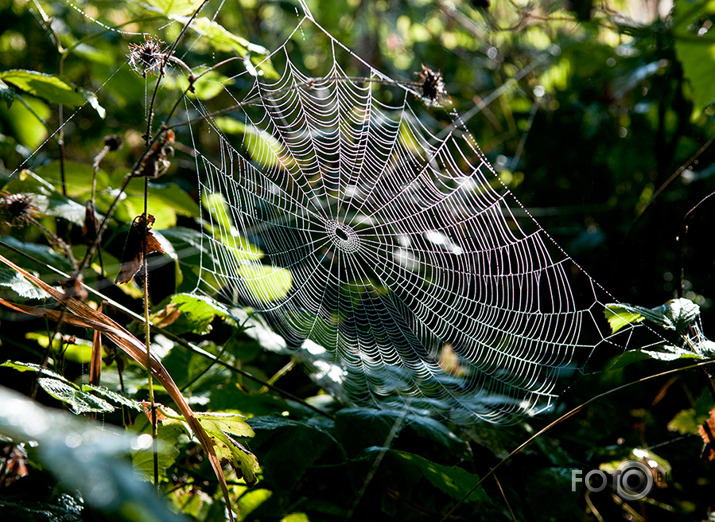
(598, 116)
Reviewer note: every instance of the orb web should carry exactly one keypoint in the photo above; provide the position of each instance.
(336, 213)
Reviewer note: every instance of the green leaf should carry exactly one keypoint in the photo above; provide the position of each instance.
(223, 428)
(291, 447)
(113, 396)
(197, 313)
(175, 7)
(172, 436)
(671, 353)
(51, 88)
(7, 95)
(352, 421)
(22, 118)
(79, 352)
(628, 358)
(21, 286)
(31, 367)
(45, 197)
(688, 420)
(619, 316)
(42, 253)
(266, 283)
(454, 481)
(675, 314)
(86, 456)
(221, 39)
(78, 178)
(208, 86)
(79, 401)
(262, 147)
(695, 48)
(79, 398)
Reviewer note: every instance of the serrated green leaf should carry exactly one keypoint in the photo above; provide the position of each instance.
(113, 396)
(675, 314)
(197, 313)
(78, 401)
(688, 420)
(671, 353)
(223, 428)
(85, 456)
(282, 465)
(51, 88)
(31, 367)
(21, 286)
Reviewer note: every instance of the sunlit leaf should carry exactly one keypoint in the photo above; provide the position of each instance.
(619, 316)
(197, 312)
(266, 283)
(224, 229)
(675, 314)
(86, 456)
(172, 7)
(51, 88)
(21, 286)
(45, 197)
(79, 401)
(695, 47)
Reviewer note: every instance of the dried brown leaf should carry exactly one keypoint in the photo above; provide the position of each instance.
(139, 240)
(707, 431)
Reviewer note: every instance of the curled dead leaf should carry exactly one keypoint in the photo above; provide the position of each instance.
(140, 240)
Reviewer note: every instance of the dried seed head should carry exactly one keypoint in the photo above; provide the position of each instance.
(147, 57)
(432, 86)
(17, 209)
(113, 142)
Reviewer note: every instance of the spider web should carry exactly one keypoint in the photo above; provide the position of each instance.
(349, 224)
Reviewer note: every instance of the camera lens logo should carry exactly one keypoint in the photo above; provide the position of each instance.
(633, 480)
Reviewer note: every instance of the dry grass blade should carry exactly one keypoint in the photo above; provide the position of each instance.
(82, 315)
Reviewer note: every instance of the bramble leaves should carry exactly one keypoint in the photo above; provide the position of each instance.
(675, 314)
(80, 399)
